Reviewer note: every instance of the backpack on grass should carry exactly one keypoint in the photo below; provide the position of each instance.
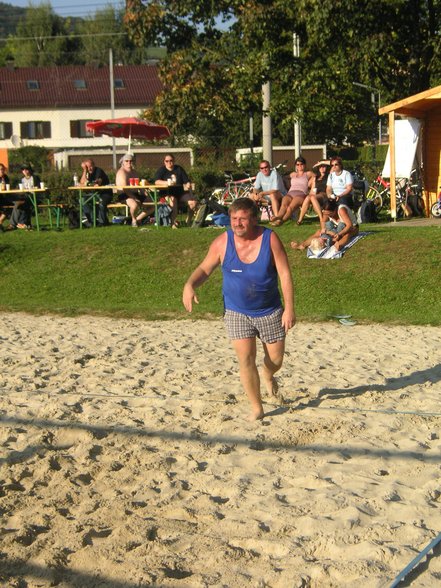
(367, 212)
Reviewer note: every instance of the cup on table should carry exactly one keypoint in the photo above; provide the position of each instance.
(20, 187)
(8, 187)
(136, 181)
(42, 185)
(143, 182)
(169, 181)
(131, 181)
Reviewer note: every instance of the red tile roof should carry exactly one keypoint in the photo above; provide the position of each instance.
(57, 89)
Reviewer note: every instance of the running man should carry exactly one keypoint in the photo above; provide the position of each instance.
(252, 258)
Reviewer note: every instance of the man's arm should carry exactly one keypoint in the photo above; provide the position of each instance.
(201, 274)
(286, 283)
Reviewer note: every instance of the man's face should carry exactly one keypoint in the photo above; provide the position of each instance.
(242, 223)
(128, 165)
(90, 166)
(336, 167)
(265, 168)
(169, 162)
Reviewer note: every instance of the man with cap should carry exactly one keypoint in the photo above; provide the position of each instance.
(134, 199)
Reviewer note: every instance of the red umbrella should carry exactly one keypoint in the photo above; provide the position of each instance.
(128, 127)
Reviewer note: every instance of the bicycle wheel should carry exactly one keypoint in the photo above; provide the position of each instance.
(436, 209)
(311, 213)
(374, 195)
(243, 191)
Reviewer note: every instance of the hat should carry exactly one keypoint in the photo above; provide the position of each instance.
(127, 157)
(317, 245)
(320, 163)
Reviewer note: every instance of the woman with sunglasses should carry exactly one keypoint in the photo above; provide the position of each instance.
(339, 183)
(302, 182)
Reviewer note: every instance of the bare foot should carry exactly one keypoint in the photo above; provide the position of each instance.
(256, 416)
(294, 245)
(272, 387)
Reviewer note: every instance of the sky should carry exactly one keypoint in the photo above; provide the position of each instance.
(71, 7)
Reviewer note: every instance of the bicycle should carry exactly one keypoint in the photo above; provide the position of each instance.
(233, 189)
(436, 207)
(379, 193)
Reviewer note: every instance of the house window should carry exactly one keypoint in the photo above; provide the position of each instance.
(33, 85)
(78, 129)
(5, 130)
(80, 84)
(35, 130)
(118, 84)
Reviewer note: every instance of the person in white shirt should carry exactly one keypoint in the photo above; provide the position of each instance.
(339, 183)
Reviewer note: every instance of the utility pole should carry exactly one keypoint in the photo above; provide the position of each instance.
(267, 144)
(297, 127)
(112, 103)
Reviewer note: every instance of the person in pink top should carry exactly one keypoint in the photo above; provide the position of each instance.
(301, 183)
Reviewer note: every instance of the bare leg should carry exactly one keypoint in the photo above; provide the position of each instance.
(276, 199)
(174, 207)
(271, 364)
(249, 376)
(295, 203)
(133, 207)
(306, 242)
(304, 209)
(286, 201)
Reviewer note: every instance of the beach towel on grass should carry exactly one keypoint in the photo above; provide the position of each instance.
(331, 252)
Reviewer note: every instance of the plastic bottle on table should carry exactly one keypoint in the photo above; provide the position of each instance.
(75, 180)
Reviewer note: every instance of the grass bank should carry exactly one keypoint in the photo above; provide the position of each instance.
(391, 276)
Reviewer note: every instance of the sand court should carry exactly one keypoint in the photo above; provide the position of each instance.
(127, 459)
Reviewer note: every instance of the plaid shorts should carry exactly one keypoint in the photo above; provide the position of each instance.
(268, 328)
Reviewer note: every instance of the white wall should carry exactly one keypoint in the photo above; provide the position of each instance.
(60, 126)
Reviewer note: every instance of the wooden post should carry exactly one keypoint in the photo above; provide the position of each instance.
(393, 183)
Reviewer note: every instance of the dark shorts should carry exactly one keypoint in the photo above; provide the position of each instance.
(268, 328)
(138, 195)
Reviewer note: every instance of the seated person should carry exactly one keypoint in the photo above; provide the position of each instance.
(4, 200)
(339, 183)
(134, 198)
(22, 211)
(95, 176)
(301, 184)
(179, 191)
(317, 195)
(268, 187)
(340, 226)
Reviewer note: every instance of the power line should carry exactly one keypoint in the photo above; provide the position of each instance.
(62, 36)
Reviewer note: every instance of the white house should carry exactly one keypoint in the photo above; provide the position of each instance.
(49, 106)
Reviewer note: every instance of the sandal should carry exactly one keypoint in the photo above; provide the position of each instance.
(175, 225)
(278, 222)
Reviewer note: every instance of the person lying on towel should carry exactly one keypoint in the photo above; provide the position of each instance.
(340, 226)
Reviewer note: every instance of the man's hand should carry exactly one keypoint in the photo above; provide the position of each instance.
(288, 320)
(188, 296)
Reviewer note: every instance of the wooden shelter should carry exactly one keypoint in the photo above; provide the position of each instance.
(425, 106)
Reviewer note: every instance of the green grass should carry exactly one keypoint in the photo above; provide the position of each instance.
(391, 276)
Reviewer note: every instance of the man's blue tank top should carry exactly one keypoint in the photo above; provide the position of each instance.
(250, 288)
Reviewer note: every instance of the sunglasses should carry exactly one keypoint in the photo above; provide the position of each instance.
(335, 164)
(264, 167)
(169, 160)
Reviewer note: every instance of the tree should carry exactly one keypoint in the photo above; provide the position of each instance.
(34, 45)
(217, 74)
